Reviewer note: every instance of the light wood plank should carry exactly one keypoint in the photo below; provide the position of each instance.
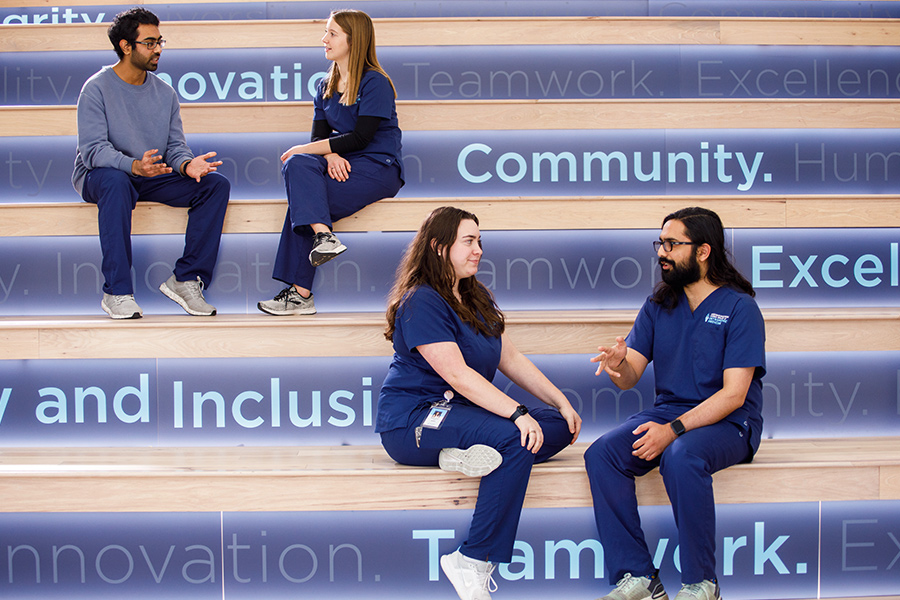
(495, 214)
(844, 212)
(361, 334)
(890, 481)
(506, 115)
(802, 32)
(254, 479)
(480, 31)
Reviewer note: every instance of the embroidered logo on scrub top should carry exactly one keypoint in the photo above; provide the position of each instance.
(716, 319)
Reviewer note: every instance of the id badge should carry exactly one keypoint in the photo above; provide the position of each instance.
(435, 417)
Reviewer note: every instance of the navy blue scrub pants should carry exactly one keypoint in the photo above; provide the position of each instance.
(501, 493)
(116, 193)
(686, 467)
(314, 197)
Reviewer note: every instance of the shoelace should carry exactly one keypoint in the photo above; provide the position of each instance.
(628, 582)
(694, 589)
(194, 289)
(285, 294)
(489, 584)
(122, 299)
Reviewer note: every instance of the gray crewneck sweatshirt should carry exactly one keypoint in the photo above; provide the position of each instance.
(118, 122)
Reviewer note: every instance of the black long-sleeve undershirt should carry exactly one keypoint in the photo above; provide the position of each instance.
(353, 141)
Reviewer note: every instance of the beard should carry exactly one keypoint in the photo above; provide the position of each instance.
(145, 64)
(678, 276)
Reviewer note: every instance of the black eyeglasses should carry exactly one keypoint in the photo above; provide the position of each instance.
(669, 245)
(152, 44)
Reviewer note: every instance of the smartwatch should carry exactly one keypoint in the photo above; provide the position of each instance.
(677, 427)
(520, 410)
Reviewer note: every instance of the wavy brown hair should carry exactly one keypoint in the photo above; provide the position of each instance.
(427, 262)
(361, 37)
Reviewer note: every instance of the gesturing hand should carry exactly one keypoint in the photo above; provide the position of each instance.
(611, 359)
(150, 165)
(199, 166)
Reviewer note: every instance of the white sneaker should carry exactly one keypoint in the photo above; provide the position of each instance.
(477, 461)
(121, 306)
(470, 578)
(705, 590)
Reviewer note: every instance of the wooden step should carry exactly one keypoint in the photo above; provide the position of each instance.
(495, 214)
(365, 478)
(361, 334)
(492, 31)
(509, 115)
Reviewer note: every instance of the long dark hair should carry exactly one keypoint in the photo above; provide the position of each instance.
(703, 226)
(427, 262)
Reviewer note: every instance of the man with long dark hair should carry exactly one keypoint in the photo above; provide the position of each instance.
(705, 335)
(131, 147)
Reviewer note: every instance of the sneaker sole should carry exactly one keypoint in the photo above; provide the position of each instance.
(317, 259)
(477, 461)
(107, 310)
(176, 298)
(285, 313)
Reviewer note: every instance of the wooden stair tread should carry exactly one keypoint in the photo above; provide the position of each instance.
(361, 334)
(456, 31)
(306, 478)
(495, 213)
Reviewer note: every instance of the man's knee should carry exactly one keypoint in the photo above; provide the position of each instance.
(599, 454)
(108, 186)
(679, 459)
(218, 182)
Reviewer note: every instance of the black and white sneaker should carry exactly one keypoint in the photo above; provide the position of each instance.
(288, 302)
(325, 247)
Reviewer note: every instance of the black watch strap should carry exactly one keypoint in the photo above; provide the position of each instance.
(520, 410)
(677, 427)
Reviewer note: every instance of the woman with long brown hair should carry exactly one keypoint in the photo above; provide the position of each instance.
(438, 406)
(353, 160)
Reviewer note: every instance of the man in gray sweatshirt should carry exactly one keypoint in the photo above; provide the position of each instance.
(131, 147)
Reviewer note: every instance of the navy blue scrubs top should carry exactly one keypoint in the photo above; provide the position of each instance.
(424, 317)
(691, 350)
(374, 99)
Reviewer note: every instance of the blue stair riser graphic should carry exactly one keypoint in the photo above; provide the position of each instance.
(333, 401)
(641, 72)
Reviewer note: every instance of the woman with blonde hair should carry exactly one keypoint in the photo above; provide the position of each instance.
(353, 160)
(438, 407)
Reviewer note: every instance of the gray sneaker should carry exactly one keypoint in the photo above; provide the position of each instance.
(121, 307)
(705, 590)
(638, 588)
(189, 295)
(325, 247)
(477, 461)
(288, 302)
